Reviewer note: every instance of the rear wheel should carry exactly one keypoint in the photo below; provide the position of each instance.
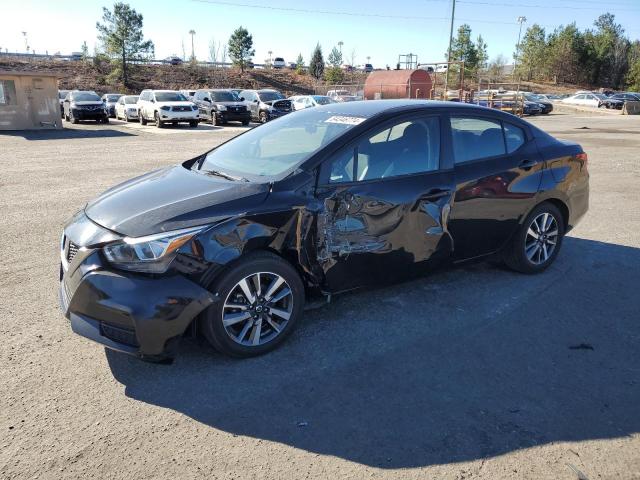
(538, 241)
(72, 119)
(193, 123)
(262, 298)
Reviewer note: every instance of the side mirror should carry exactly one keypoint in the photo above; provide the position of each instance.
(242, 99)
(207, 99)
(152, 101)
(255, 101)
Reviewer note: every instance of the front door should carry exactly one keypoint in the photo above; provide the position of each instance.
(497, 175)
(384, 202)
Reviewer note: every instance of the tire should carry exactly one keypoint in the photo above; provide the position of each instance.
(193, 123)
(156, 117)
(526, 254)
(264, 118)
(214, 118)
(245, 123)
(255, 327)
(143, 120)
(66, 117)
(72, 119)
(105, 120)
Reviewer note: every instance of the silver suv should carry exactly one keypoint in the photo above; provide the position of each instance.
(166, 106)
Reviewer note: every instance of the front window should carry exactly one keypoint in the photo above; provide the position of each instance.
(170, 97)
(85, 97)
(62, 94)
(269, 96)
(113, 98)
(131, 100)
(223, 97)
(280, 145)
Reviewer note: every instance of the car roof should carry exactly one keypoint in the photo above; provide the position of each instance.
(369, 108)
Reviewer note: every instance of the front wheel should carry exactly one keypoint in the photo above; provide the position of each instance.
(264, 117)
(261, 300)
(156, 117)
(193, 123)
(143, 120)
(538, 241)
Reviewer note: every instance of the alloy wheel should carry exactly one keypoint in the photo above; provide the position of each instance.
(541, 238)
(257, 309)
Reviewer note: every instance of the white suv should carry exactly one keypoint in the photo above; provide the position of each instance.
(166, 106)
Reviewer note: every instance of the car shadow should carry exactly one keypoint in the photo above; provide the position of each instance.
(464, 364)
(67, 134)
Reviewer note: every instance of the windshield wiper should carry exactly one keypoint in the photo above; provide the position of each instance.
(226, 175)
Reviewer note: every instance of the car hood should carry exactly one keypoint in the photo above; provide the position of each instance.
(176, 104)
(88, 104)
(172, 198)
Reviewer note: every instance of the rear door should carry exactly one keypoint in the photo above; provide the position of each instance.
(497, 176)
(385, 198)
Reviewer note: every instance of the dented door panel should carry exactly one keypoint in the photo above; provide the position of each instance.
(380, 231)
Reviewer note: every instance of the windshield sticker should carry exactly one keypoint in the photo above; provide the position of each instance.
(345, 120)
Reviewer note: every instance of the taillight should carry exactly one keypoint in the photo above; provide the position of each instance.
(583, 158)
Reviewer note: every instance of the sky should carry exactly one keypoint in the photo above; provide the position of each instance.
(367, 28)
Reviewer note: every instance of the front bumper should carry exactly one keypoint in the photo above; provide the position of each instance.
(138, 314)
(230, 116)
(170, 116)
(89, 114)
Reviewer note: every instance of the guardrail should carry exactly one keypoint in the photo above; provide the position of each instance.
(78, 58)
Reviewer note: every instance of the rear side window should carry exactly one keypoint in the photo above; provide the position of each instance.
(514, 137)
(476, 138)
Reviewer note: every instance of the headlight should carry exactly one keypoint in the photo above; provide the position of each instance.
(221, 108)
(150, 254)
(194, 107)
(166, 108)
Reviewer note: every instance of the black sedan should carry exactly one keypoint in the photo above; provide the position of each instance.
(232, 243)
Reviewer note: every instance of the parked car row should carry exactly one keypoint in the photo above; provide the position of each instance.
(590, 99)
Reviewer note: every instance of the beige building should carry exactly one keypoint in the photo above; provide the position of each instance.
(29, 100)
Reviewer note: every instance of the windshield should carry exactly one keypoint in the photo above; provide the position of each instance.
(320, 100)
(223, 97)
(600, 96)
(131, 99)
(268, 96)
(62, 94)
(113, 98)
(170, 97)
(85, 97)
(280, 145)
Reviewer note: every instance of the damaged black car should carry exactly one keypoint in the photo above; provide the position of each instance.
(232, 244)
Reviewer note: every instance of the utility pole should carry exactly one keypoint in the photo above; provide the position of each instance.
(193, 53)
(453, 15)
(520, 20)
(340, 43)
(270, 52)
(26, 42)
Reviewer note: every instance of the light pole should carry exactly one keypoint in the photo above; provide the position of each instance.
(193, 54)
(520, 20)
(340, 43)
(270, 52)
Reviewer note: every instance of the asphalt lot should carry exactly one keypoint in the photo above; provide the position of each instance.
(475, 372)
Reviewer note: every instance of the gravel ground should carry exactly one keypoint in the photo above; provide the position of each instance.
(474, 372)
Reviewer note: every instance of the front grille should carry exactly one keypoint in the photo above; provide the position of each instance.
(71, 251)
(282, 105)
(119, 334)
(237, 109)
(181, 109)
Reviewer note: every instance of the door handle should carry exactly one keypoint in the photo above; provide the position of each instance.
(527, 164)
(435, 194)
